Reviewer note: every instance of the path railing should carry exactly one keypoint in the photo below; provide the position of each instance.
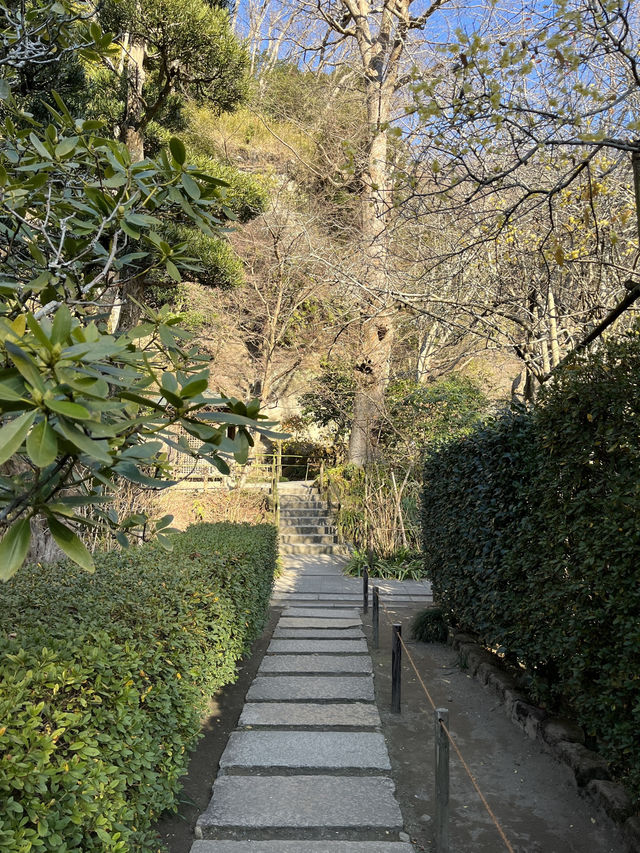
(443, 737)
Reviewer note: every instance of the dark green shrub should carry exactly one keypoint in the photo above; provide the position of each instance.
(105, 679)
(428, 626)
(532, 540)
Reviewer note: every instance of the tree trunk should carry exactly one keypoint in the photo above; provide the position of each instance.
(132, 134)
(377, 327)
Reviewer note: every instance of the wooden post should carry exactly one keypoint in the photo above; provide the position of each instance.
(375, 617)
(365, 590)
(396, 668)
(441, 715)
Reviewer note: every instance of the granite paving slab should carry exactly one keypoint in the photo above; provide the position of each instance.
(307, 714)
(306, 750)
(315, 663)
(317, 633)
(255, 802)
(323, 612)
(294, 687)
(317, 646)
(318, 622)
(301, 847)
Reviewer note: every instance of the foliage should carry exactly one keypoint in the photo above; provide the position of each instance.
(330, 404)
(218, 265)
(403, 564)
(191, 54)
(531, 540)
(366, 501)
(105, 679)
(428, 626)
(83, 409)
(420, 414)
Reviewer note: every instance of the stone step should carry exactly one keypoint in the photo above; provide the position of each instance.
(301, 846)
(291, 688)
(312, 803)
(333, 647)
(318, 633)
(338, 550)
(308, 751)
(294, 501)
(303, 512)
(308, 539)
(334, 664)
(357, 714)
(302, 529)
(320, 621)
(344, 612)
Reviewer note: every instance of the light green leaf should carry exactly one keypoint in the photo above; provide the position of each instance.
(13, 434)
(14, 547)
(70, 410)
(61, 325)
(66, 146)
(72, 546)
(178, 151)
(42, 445)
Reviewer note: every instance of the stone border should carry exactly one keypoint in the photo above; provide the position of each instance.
(561, 737)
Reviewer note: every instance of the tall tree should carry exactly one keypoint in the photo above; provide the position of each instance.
(371, 37)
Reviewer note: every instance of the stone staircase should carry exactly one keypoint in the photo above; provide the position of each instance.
(305, 525)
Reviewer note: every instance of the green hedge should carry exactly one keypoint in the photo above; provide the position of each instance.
(532, 540)
(104, 679)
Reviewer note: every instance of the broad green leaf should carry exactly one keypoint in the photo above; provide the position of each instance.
(122, 539)
(42, 445)
(13, 434)
(72, 546)
(191, 187)
(14, 547)
(26, 365)
(172, 269)
(70, 410)
(164, 541)
(194, 387)
(96, 449)
(178, 151)
(66, 146)
(61, 325)
(7, 393)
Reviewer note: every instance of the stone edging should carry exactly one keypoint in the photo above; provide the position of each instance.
(563, 738)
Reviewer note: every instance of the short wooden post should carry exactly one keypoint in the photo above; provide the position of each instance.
(375, 617)
(365, 589)
(441, 715)
(396, 668)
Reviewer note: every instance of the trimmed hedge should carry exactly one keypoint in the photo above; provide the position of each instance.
(532, 541)
(105, 678)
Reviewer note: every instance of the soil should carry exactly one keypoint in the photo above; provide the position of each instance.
(534, 798)
(175, 831)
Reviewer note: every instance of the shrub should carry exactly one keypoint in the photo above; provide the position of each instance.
(531, 540)
(428, 626)
(105, 679)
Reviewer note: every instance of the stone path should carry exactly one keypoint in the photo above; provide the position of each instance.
(307, 769)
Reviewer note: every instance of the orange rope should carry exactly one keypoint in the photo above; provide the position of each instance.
(451, 740)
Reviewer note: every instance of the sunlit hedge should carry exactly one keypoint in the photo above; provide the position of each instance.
(104, 678)
(532, 540)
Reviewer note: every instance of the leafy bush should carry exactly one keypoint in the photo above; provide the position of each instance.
(105, 679)
(403, 564)
(428, 626)
(531, 539)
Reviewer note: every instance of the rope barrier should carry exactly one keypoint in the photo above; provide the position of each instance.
(483, 799)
